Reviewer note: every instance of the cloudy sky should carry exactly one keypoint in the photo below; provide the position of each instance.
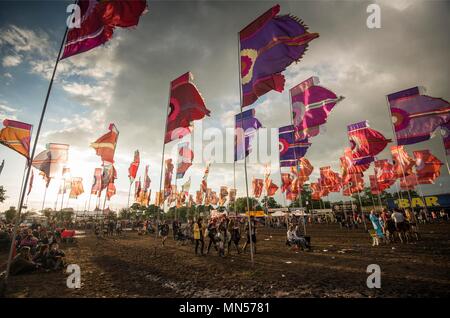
(127, 80)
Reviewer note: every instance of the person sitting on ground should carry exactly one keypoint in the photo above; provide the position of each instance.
(30, 241)
(298, 241)
(55, 257)
(41, 257)
(22, 263)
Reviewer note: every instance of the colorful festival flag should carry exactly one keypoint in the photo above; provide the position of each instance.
(110, 191)
(76, 187)
(147, 180)
(330, 180)
(416, 116)
(184, 161)
(365, 142)
(374, 186)
(315, 191)
(186, 105)
(290, 149)
(232, 195)
(137, 189)
(311, 106)
(428, 167)
(52, 160)
(403, 163)
(246, 125)
(17, 136)
(355, 185)
(168, 178)
(384, 171)
(257, 187)
(223, 195)
(98, 21)
(134, 166)
(408, 183)
(204, 184)
(268, 46)
(105, 146)
(97, 182)
(286, 181)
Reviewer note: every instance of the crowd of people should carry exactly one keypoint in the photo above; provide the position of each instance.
(36, 247)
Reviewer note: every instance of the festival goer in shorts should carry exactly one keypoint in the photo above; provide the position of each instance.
(411, 217)
(233, 228)
(199, 236)
(399, 219)
(22, 263)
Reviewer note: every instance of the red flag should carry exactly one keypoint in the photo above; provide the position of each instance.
(186, 105)
(111, 191)
(374, 187)
(403, 163)
(272, 189)
(134, 166)
(98, 20)
(316, 191)
(137, 189)
(286, 181)
(329, 180)
(105, 146)
(204, 184)
(365, 142)
(185, 157)
(147, 180)
(199, 197)
(348, 168)
(384, 173)
(428, 167)
(356, 184)
(257, 186)
(409, 182)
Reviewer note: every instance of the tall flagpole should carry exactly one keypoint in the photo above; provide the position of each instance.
(129, 193)
(360, 204)
(245, 157)
(44, 108)
(43, 201)
(162, 163)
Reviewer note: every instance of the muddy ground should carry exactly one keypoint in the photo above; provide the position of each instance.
(138, 266)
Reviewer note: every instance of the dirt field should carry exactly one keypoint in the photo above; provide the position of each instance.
(137, 266)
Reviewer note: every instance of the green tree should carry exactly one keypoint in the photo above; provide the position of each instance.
(10, 214)
(241, 205)
(271, 203)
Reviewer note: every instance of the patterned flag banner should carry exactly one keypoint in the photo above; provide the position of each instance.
(137, 189)
(316, 191)
(384, 171)
(272, 188)
(223, 195)
(110, 191)
(52, 160)
(134, 166)
(374, 187)
(147, 180)
(76, 188)
(268, 46)
(365, 142)
(403, 163)
(97, 182)
(105, 146)
(330, 180)
(416, 116)
(408, 183)
(349, 167)
(303, 170)
(428, 167)
(245, 127)
(214, 199)
(98, 21)
(355, 185)
(168, 178)
(185, 157)
(311, 106)
(257, 187)
(290, 149)
(17, 136)
(286, 181)
(186, 105)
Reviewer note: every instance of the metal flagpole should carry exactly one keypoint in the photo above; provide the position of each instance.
(360, 204)
(44, 108)
(234, 185)
(296, 159)
(245, 157)
(162, 163)
(129, 193)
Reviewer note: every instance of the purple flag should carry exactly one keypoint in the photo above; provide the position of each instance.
(268, 46)
(290, 149)
(416, 116)
(246, 125)
(311, 105)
